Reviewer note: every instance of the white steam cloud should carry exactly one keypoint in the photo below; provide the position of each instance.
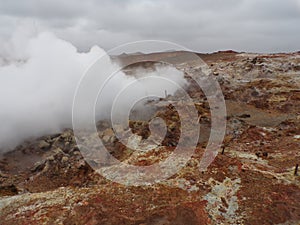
(39, 74)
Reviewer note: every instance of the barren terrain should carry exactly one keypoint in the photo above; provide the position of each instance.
(253, 179)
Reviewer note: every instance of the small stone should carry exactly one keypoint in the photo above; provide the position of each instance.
(108, 132)
(50, 158)
(58, 151)
(106, 138)
(43, 144)
(66, 135)
(38, 166)
(64, 159)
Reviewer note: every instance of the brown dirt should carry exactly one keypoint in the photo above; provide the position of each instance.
(46, 181)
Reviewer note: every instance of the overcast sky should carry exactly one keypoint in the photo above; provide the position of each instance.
(204, 26)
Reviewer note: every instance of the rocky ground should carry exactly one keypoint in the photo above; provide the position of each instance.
(253, 179)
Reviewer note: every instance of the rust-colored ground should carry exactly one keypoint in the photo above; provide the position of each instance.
(46, 181)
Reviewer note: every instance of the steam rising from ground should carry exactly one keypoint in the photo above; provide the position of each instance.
(39, 74)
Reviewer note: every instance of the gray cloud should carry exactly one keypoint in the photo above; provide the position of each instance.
(244, 25)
